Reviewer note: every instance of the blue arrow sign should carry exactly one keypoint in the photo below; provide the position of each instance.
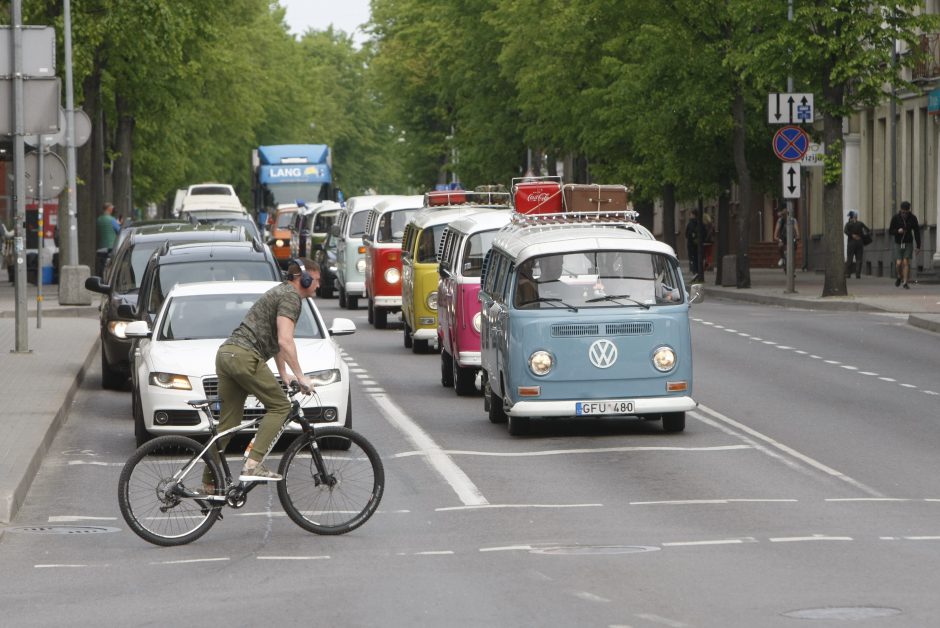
(791, 143)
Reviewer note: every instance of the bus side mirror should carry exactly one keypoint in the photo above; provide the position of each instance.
(697, 293)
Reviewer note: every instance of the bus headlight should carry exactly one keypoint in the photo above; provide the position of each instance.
(279, 243)
(664, 359)
(431, 301)
(541, 362)
(392, 275)
(361, 265)
(477, 322)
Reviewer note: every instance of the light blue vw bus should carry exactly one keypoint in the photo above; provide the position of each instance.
(584, 315)
(348, 230)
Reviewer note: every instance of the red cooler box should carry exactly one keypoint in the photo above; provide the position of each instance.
(538, 197)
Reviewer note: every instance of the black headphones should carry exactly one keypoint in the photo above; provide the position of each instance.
(306, 279)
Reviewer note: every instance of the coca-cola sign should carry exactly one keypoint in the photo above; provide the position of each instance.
(537, 197)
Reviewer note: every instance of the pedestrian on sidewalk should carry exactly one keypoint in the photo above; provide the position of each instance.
(906, 231)
(856, 230)
(780, 235)
(108, 228)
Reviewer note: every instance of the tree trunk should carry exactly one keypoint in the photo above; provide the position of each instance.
(743, 266)
(88, 202)
(723, 225)
(834, 283)
(123, 161)
(669, 214)
(645, 209)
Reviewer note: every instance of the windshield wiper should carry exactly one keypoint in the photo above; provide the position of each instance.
(553, 301)
(618, 298)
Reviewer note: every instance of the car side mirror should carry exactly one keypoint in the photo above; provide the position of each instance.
(137, 329)
(95, 284)
(697, 293)
(342, 327)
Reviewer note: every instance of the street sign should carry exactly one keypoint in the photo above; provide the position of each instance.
(791, 180)
(790, 108)
(53, 175)
(38, 51)
(41, 113)
(814, 156)
(791, 143)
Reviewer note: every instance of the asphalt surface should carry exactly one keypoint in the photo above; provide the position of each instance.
(38, 382)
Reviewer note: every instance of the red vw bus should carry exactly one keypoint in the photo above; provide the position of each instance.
(385, 227)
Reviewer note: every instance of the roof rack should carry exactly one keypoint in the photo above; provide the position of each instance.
(545, 222)
(437, 198)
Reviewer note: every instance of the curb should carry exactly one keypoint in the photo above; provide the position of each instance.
(831, 303)
(10, 504)
(59, 312)
(921, 322)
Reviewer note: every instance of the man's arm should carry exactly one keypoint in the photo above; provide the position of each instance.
(287, 356)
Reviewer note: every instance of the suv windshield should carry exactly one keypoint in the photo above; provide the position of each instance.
(201, 317)
(598, 279)
(168, 275)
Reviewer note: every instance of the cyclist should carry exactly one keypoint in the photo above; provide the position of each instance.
(241, 364)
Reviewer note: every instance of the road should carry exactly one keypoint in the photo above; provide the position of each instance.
(802, 488)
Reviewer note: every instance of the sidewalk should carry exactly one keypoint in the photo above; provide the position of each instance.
(37, 387)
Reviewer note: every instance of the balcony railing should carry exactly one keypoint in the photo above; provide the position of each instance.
(929, 52)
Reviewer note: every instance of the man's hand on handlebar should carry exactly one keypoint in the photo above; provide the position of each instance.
(301, 383)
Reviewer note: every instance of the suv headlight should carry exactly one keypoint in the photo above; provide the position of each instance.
(431, 301)
(170, 380)
(117, 328)
(392, 275)
(324, 378)
(541, 362)
(664, 359)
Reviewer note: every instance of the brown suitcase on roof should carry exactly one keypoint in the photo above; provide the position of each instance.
(595, 198)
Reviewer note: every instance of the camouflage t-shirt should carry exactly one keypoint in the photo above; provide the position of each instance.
(258, 331)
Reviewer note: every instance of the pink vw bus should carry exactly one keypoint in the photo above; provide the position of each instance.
(463, 247)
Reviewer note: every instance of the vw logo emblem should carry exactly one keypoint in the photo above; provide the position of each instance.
(603, 353)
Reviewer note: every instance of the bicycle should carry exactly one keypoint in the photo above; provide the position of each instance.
(173, 488)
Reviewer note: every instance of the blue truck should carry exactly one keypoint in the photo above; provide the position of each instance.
(290, 173)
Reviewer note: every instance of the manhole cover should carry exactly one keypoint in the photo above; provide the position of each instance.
(844, 613)
(594, 550)
(62, 529)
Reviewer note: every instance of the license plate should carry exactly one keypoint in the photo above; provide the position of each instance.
(603, 407)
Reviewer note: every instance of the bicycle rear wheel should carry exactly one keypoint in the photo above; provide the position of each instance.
(345, 495)
(155, 506)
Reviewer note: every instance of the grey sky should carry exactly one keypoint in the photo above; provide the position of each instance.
(344, 15)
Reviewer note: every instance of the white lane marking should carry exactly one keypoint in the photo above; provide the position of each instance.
(801, 352)
(590, 597)
(717, 542)
(844, 366)
(560, 452)
(785, 347)
(53, 566)
(931, 392)
(832, 362)
(292, 557)
(815, 537)
(884, 379)
(867, 499)
(374, 390)
(908, 386)
(466, 490)
(435, 553)
(656, 619)
(369, 382)
(191, 560)
(497, 506)
(792, 452)
(684, 502)
(95, 463)
(67, 518)
(868, 373)
(769, 342)
(358, 370)
(507, 548)
(793, 464)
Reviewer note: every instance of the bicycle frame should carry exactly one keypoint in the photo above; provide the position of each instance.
(296, 414)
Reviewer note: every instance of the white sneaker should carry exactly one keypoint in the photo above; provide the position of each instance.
(259, 474)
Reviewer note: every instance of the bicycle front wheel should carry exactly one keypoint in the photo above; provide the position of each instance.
(163, 510)
(342, 495)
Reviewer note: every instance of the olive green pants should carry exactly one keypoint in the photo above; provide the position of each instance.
(242, 372)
